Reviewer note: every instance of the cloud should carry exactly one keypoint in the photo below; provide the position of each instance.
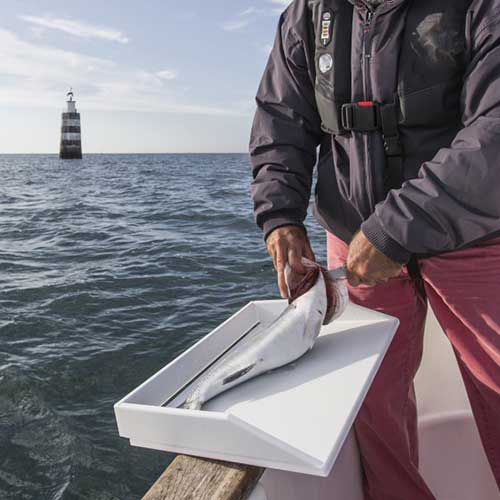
(245, 17)
(37, 75)
(235, 25)
(247, 12)
(253, 11)
(167, 74)
(283, 3)
(77, 28)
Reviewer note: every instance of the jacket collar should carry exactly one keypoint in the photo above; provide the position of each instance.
(363, 4)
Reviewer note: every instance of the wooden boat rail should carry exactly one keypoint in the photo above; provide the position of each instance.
(190, 478)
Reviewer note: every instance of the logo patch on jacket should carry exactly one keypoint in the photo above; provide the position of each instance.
(326, 27)
(325, 63)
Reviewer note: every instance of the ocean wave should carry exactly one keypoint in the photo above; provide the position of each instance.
(110, 267)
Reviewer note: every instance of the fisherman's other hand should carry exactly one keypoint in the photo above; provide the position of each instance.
(288, 244)
(368, 266)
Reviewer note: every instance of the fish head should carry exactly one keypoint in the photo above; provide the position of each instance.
(316, 285)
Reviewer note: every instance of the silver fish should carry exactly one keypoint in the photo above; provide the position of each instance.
(289, 337)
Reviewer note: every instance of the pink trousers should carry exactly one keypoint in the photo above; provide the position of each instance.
(463, 289)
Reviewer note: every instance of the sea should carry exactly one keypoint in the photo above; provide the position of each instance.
(110, 267)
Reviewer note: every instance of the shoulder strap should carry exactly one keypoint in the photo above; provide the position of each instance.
(332, 22)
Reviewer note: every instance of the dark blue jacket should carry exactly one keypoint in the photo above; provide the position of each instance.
(451, 195)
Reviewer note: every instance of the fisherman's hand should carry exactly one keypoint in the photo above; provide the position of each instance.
(288, 244)
(368, 266)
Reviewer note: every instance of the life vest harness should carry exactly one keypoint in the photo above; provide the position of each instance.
(368, 116)
(421, 84)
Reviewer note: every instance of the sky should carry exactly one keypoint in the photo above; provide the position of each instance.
(150, 76)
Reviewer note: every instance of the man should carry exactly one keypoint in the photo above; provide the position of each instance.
(403, 99)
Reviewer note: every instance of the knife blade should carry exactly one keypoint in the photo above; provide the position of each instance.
(339, 273)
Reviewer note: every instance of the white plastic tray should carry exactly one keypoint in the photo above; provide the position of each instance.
(295, 418)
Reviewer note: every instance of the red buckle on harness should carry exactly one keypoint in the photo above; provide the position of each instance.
(361, 116)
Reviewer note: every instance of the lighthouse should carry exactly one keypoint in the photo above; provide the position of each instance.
(71, 141)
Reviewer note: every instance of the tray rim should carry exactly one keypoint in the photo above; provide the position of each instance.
(308, 464)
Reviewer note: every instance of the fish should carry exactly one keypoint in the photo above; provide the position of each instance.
(314, 299)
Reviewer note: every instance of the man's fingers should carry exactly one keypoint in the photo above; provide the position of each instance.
(288, 244)
(282, 284)
(308, 253)
(356, 278)
(353, 278)
(294, 260)
(281, 259)
(272, 253)
(379, 278)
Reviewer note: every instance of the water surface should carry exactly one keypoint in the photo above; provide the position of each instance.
(109, 268)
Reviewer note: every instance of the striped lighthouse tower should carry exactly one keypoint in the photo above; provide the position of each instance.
(71, 142)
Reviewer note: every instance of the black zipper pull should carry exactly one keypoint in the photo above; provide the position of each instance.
(368, 21)
(369, 17)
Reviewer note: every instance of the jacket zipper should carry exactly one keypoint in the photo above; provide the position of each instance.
(365, 70)
(366, 53)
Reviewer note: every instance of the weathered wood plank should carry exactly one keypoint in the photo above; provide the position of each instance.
(191, 478)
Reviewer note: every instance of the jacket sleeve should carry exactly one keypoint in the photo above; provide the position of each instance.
(455, 200)
(286, 129)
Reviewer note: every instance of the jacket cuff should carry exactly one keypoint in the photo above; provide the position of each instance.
(271, 224)
(373, 230)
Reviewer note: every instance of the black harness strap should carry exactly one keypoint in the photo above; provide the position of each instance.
(333, 38)
(393, 176)
(368, 116)
(333, 31)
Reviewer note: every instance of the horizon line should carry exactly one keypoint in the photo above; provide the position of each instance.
(142, 153)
